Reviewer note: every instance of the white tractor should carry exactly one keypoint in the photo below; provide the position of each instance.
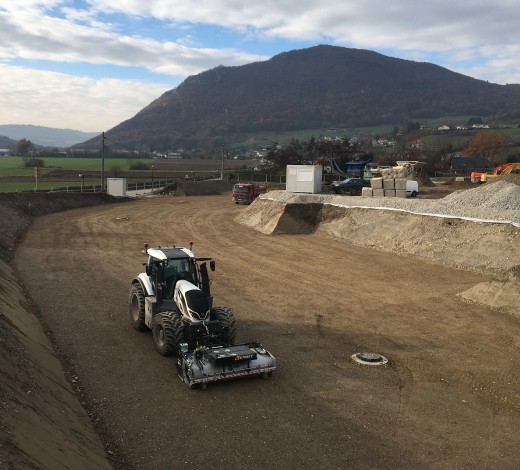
(173, 299)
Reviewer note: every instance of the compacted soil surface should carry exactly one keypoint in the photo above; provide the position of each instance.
(449, 396)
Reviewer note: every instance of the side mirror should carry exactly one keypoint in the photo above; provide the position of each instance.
(212, 265)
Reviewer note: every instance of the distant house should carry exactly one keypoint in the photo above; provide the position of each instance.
(4, 152)
(443, 128)
(465, 165)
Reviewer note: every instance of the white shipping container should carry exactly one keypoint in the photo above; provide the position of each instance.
(304, 178)
(116, 187)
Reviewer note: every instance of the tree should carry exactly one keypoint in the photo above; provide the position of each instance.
(486, 145)
(23, 147)
(278, 158)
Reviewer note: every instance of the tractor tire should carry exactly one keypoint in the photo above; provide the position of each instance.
(168, 333)
(136, 307)
(227, 323)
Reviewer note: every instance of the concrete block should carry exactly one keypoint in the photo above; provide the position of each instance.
(400, 183)
(388, 184)
(376, 183)
(367, 192)
(378, 193)
(400, 193)
(390, 192)
(387, 173)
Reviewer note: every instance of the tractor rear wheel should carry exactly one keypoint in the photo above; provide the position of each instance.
(227, 323)
(168, 333)
(136, 307)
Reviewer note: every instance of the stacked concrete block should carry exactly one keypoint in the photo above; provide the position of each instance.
(400, 183)
(367, 192)
(395, 172)
(387, 173)
(388, 184)
(376, 183)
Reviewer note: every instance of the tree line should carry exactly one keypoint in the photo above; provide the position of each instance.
(490, 145)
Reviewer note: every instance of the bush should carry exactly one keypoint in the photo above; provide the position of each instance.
(32, 162)
(139, 166)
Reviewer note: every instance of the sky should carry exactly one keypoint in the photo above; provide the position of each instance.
(91, 64)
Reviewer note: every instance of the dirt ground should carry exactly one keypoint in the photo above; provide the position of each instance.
(448, 398)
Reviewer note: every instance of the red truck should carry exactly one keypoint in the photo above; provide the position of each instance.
(246, 192)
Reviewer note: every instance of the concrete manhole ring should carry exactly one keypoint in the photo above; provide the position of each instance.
(369, 358)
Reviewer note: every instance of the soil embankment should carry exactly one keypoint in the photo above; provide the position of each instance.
(476, 229)
(42, 424)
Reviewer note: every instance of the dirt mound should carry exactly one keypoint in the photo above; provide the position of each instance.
(511, 178)
(500, 194)
(262, 217)
(500, 295)
(491, 248)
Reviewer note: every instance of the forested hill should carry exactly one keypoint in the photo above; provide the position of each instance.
(318, 87)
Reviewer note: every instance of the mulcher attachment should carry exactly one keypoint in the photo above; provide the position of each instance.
(208, 364)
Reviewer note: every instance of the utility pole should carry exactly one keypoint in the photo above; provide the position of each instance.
(103, 162)
(222, 167)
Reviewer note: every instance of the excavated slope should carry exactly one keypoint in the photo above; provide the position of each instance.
(476, 229)
(42, 423)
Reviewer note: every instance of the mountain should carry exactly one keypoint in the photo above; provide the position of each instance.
(318, 87)
(7, 143)
(46, 136)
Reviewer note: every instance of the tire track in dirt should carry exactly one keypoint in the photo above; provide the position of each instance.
(279, 286)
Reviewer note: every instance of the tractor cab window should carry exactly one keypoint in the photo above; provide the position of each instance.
(180, 268)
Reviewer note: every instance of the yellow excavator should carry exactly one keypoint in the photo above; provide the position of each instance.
(510, 168)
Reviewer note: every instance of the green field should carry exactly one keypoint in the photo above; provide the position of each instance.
(266, 139)
(14, 166)
(64, 172)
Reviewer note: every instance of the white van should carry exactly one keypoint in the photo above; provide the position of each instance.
(412, 188)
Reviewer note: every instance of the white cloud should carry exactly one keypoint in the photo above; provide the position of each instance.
(474, 38)
(404, 28)
(29, 36)
(59, 100)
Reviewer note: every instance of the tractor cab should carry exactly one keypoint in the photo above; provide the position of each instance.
(167, 266)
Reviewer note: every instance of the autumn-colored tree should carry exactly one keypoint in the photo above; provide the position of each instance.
(486, 145)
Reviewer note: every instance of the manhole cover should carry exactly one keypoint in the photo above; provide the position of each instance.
(369, 358)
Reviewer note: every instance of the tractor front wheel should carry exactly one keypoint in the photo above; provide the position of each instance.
(136, 307)
(168, 333)
(227, 323)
